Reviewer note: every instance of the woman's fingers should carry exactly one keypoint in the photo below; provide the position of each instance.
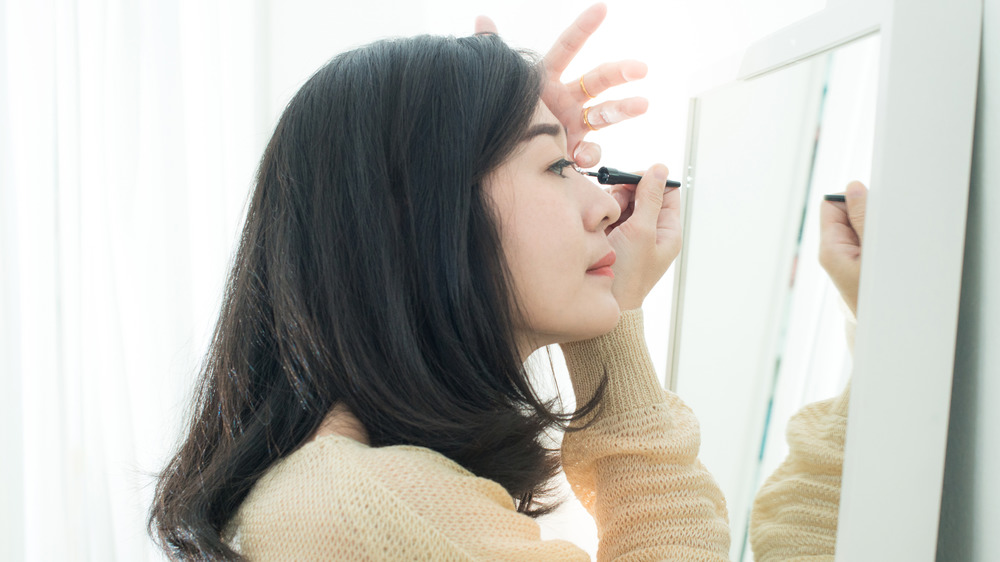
(608, 75)
(611, 112)
(857, 200)
(602, 115)
(841, 234)
(835, 229)
(648, 241)
(566, 101)
(668, 223)
(587, 154)
(485, 25)
(842, 225)
(572, 40)
(658, 208)
(649, 194)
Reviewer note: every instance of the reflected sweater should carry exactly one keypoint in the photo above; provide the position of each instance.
(635, 469)
(794, 515)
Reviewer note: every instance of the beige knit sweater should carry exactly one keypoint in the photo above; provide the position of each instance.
(635, 469)
(794, 515)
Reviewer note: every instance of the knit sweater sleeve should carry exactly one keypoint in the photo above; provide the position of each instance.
(635, 464)
(794, 515)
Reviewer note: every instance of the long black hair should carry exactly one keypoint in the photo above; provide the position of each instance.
(370, 272)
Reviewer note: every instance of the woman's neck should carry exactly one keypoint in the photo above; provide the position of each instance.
(340, 421)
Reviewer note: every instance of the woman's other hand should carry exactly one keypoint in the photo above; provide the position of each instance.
(647, 236)
(567, 101)
(842, 232)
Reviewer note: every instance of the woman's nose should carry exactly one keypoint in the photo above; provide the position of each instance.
(601, 210)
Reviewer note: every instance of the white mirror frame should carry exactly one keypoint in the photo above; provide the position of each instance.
(912, 263)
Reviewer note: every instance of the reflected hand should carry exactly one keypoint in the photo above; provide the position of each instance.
(566, 101)
(647, 236)
(842, 232)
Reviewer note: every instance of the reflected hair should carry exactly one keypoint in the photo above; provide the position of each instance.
(370, 272)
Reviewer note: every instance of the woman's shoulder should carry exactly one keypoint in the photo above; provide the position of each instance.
(334, 468)
(337, 499)
(337, 492)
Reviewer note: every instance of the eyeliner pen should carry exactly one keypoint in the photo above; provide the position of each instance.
(607, 175)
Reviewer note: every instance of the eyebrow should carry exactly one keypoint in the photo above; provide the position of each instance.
(543, 129)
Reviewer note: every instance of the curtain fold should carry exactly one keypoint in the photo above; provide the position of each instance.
(130, 131)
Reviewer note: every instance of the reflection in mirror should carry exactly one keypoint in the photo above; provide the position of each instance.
(758, 328)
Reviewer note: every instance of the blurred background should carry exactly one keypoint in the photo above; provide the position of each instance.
(129, 135)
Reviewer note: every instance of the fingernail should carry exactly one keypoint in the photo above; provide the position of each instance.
(636, 73)
(611, 116)
(583, 159)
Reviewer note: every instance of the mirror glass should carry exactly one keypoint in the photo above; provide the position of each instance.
(758, 329)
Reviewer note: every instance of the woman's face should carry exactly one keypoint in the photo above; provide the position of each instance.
(552, 222)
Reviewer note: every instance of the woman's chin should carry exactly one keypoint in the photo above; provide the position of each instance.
(600, 320)
(613, 314)
(598, 317)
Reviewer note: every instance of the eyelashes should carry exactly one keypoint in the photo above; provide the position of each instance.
(560, 165)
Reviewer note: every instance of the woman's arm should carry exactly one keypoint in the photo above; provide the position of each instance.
(795, 511)
(636, 467)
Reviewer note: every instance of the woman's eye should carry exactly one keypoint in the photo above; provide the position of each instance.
(558, 167)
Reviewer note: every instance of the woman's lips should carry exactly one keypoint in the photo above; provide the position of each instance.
(603, 267)
(606, 270)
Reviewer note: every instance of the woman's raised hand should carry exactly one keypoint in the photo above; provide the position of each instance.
(567, 101)
(842, 232)
(647, 236)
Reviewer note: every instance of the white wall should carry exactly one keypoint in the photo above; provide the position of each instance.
(970, 510)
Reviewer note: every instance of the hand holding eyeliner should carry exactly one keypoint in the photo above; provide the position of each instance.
(607, 175)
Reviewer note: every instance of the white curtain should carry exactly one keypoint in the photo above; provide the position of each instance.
(128, 136)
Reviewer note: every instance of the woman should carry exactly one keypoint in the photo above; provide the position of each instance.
(416, 231)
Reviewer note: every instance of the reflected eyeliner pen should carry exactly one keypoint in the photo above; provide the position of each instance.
(612, 176)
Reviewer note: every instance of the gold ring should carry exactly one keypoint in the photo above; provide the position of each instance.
(584, 88)
(587, 121)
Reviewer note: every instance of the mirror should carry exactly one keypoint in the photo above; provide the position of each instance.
(758, 329)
